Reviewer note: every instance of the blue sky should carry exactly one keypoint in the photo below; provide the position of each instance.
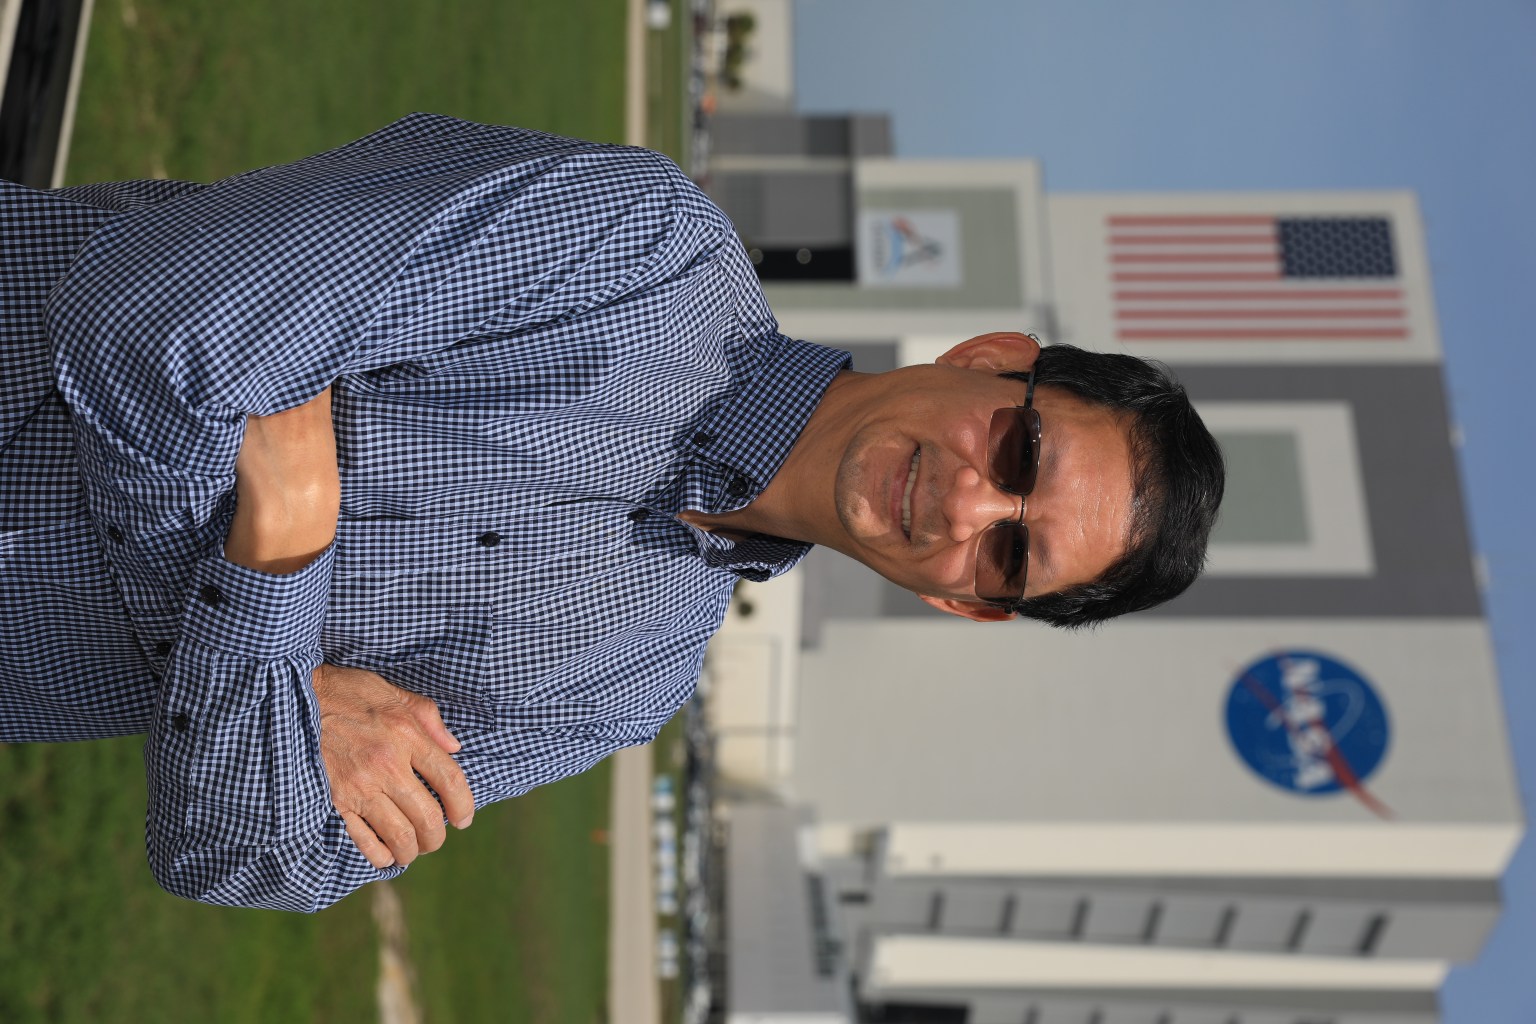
(1200, 94)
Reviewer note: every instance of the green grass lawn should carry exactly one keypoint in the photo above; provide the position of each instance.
(86, 935)
(508, 922)
(668, 757)
(198, 89)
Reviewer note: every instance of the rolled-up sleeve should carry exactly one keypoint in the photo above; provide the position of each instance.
(239, 803)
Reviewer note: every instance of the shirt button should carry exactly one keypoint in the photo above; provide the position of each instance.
(210, 595)
(180, 721)
(115, 535)
(739, 486)
(164, 648)
(703, 438)
(639, 515)
(489, 539)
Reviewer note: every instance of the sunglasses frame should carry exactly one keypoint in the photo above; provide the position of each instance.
(1010, 533)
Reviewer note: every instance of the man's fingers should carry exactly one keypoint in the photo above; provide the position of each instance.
(377, 853)
(424, 710)
(445, 776)
(393, 828)
(415, 803)
(383, 748)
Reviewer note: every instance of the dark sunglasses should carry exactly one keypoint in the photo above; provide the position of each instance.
(1013, 457)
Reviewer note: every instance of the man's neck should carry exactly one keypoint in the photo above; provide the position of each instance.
(798, 503)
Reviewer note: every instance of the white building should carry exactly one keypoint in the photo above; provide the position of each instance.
(1287, 796)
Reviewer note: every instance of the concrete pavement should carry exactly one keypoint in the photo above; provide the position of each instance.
(633, 997)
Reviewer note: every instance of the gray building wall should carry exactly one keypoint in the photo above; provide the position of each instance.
(797, 135)
(772, 906)
(1410, 918)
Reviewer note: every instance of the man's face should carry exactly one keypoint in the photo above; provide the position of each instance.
(913, 489)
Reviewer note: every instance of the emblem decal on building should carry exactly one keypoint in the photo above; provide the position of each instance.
(1309, 724)
(909, 248)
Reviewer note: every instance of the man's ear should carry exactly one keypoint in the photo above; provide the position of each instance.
(999, 352)
(976, 611)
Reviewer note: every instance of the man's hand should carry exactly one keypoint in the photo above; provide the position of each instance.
(288, 489)
(375, 739)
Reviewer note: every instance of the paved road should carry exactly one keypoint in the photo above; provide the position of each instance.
(632, 992)
(396, 987)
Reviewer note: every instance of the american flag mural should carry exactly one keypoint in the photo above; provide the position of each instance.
(1254, 277)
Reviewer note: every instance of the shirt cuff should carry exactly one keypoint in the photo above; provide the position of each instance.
(254, 614)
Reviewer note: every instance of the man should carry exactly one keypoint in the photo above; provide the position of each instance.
(482, 422)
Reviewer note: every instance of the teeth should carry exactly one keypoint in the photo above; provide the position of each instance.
(906, 496)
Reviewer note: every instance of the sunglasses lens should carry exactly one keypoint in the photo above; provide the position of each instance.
(1002, 561)
(1014, 448)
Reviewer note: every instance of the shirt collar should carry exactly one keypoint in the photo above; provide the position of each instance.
(747, 437)
(750, 433)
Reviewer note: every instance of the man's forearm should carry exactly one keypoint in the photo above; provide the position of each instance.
(288, 489)
(280, 539)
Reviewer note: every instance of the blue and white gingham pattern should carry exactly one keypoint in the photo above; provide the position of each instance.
(541, 350)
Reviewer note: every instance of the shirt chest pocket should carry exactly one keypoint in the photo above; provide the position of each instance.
(424, 633)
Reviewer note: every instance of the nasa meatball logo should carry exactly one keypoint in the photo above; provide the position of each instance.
(1309, 724)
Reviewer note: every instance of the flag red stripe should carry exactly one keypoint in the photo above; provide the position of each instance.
(1181, 300)
(1259, 296)
(1197, 275)
(1259, 314)
(1186, 220)
(1191, 239)
(1192, 257)
(1260, 333)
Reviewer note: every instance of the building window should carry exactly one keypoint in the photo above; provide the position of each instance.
(1295, 499)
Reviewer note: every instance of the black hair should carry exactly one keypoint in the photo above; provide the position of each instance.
(1177, 478)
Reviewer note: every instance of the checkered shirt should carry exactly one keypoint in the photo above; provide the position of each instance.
(541, 350)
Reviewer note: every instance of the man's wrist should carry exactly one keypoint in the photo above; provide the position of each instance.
(284, 536)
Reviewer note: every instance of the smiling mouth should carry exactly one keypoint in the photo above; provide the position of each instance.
(906, 495)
